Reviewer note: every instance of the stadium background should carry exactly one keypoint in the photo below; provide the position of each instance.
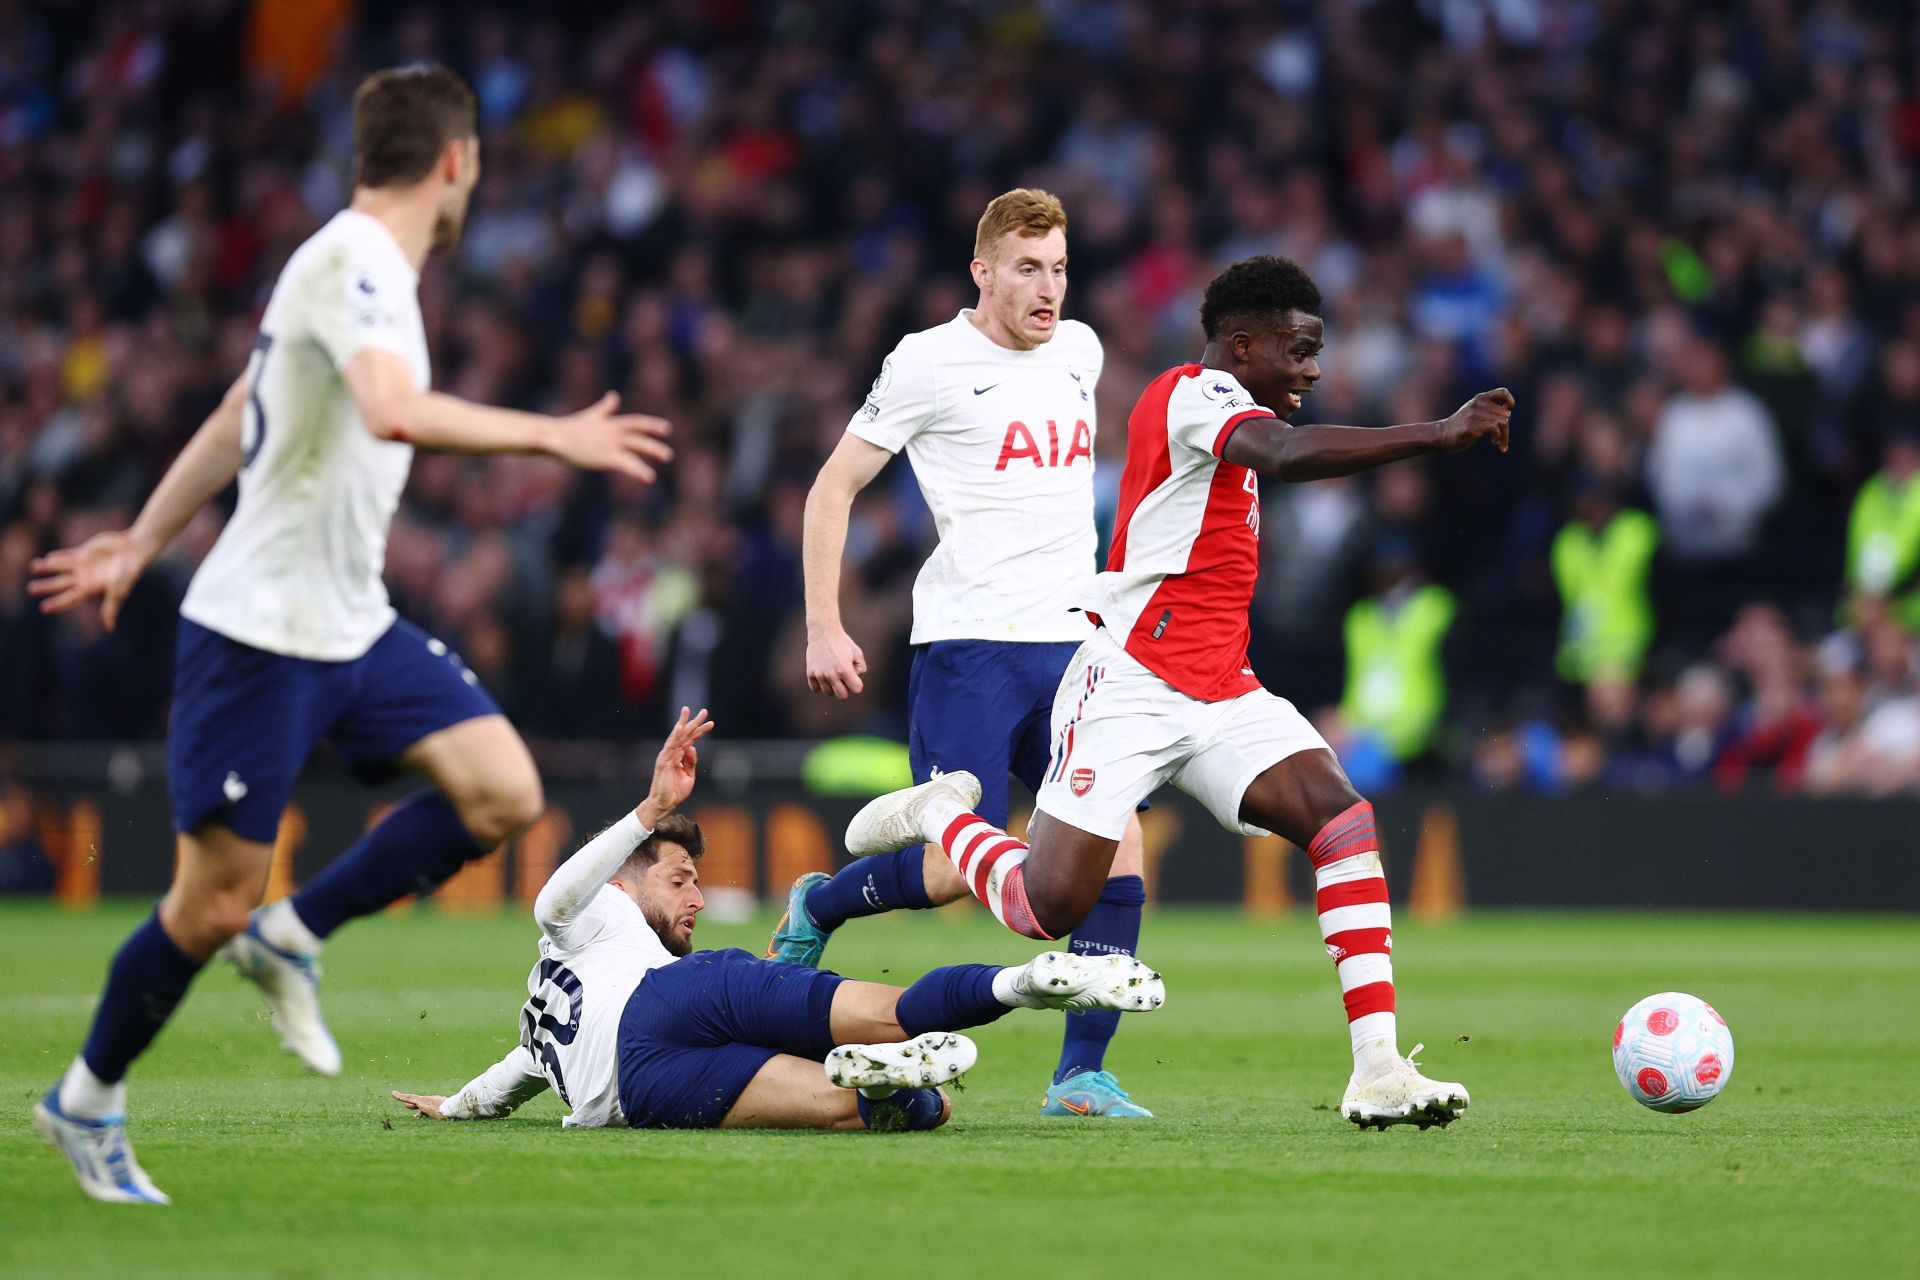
(1684, 235)
(730, 209)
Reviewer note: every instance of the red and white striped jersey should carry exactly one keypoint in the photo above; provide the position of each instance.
(1180, 577)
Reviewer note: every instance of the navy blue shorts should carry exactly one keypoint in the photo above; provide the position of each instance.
(245, 720)
(697, 1031)
(985, 706)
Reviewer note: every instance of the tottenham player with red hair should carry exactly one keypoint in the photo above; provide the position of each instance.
(995, 411)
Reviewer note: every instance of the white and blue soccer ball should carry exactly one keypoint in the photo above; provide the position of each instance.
(1673, 1052)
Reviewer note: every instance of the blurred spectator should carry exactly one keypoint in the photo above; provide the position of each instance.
(1774, 729)
(1396, 686)
(26, 644)
(1685, 727)
(574, 669)
(24, 867)
(1863, 749)
(1602, 561)
(1714, 465)
(639, 597)
(1883, 534)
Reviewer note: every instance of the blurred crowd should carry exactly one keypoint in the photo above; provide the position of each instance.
(1685, 235)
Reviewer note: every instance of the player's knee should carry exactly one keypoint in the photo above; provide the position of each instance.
(228, 918)
(1333, 799)
(525, 803)
(503, 806)
(203, 925)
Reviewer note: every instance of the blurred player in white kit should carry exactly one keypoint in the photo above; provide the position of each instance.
(286, 634)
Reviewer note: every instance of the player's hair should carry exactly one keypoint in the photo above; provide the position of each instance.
(675, 828)
(1255, 288)
(403, 118)
(1028, 210)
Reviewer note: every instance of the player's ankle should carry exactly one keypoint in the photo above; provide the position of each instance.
(87, 1096)
(1011, 988)
(282, 926)
(1371, 1057)
(938, 814)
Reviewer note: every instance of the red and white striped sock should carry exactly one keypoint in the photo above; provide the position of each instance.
(993, 864)
(1350, 893)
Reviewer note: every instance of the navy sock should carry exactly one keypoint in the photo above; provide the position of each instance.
(1112, 926)
(950, 999)
(412, 850)
(905, 1109)
(885, 882)
(149, 975)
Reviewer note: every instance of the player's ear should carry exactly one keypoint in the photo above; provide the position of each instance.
(979, 269)
(453, 160)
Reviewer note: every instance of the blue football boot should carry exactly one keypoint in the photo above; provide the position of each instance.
(1092, 1093)
(797, 939)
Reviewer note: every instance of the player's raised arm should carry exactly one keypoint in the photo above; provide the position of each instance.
(108, 564)
(596, 438)
(1269, 446)
(580, 877)
(834, 662)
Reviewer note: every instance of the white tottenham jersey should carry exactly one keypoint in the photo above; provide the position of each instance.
(297, 569)
(570, 1025)
(595, 947)
(1001, 442)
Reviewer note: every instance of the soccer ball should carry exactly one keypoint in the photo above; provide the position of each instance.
(1673, 1052)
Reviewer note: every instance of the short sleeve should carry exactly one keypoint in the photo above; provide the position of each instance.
(356, 301)
(1088, 353)
(902, 401)
(1207, 408)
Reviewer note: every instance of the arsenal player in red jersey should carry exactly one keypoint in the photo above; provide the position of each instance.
(1162, 691)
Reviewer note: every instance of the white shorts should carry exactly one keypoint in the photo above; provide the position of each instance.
(1120, 731)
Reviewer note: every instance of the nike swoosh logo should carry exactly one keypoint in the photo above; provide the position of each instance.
(1078, 1108)
(980, 391)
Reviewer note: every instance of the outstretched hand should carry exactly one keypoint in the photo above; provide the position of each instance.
(675, 767)
(599, 439)
(1486, 416)
(424, 1105)
(105, 565)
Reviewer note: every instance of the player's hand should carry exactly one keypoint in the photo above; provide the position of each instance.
(421, 1104)
(1485, 417)
(105, 565)
(598, 439)
(834, 663)
(674, 770)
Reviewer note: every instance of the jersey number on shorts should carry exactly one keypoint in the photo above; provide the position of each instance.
(540, 1031)
(260, 347)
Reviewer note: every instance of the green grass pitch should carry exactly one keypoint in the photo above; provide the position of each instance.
(1808, 1164)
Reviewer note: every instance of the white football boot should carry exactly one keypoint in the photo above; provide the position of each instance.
(291, 984)
(1061, 980)
(1399, 1094)
(879, 1069)
(895, 820)
(99, 1152)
